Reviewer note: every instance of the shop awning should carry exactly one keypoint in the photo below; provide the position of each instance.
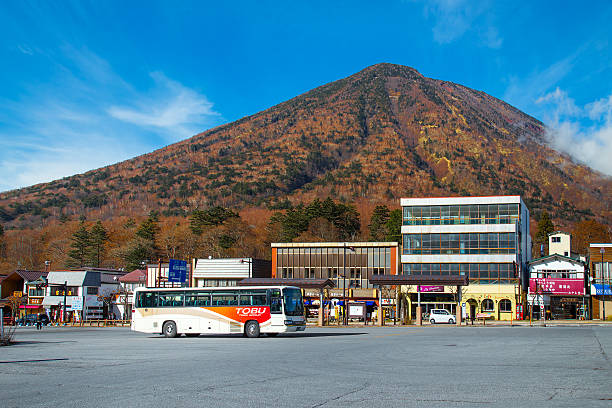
(300, 283)
(387, 280)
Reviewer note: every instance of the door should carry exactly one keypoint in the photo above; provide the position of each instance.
(276, 307)
(472, 311)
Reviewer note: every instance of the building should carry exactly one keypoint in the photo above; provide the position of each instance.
(157, 276)
(228, 271)
(22, 284)
(89, 294)
(557, 288)
(485, 238)
(348, 264)
(124, 301)
(600, 263)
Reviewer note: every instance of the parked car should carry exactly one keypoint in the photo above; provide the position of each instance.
(441, 316)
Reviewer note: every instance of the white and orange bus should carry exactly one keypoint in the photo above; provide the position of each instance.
(250, 310)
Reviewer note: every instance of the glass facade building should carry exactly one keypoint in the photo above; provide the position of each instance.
(327, 261)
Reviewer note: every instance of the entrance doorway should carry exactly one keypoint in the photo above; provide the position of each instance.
(473, 305)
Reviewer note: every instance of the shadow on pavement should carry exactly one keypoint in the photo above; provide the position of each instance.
(280, 336)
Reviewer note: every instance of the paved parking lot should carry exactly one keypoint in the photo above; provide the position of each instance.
(325, 367)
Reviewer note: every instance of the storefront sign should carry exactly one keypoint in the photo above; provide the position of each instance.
(598, 289)
(77, 303)
(17, 293)
(557, 286)
(425, 289)
(337, 293)
(357, 310)
(570, 300)
(35, 301)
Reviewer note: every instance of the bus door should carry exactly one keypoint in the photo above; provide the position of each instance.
(276, 307)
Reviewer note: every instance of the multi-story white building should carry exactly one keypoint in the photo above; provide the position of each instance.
(486, 238)
(559, 243)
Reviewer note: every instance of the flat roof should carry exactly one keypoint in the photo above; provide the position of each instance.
(300, 283)
(600, 245)
(422, 201)
(331, 244)
(447, 280)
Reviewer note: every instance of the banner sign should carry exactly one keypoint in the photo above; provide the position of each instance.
(425, 289)
(177, 271)
(557, 286)
(76, 303)
(599, 289)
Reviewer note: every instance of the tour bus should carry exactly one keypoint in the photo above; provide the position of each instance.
(249, 310)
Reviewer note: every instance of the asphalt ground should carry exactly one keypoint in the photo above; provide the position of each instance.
(440, 366)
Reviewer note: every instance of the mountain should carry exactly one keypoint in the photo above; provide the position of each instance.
(383, 133)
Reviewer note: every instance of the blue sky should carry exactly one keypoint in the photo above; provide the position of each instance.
(85, 84)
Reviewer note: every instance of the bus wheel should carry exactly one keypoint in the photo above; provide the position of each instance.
(272, 334)
(169, 329)
(251, 329)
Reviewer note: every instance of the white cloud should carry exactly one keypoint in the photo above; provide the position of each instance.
(87, 116)
(175, 108)
(589, 143)
(453, 18)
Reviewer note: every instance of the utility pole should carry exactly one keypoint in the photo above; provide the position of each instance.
(65, 293)
(345, 308)
(603, 283)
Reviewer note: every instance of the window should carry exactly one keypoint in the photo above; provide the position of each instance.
(146, 299)
(254, 298)
(275, 301)
(287, 273)
(92, 290)
(222, 299)
(170, 299)
(505, 306)
(556, 239)
(33, 292)
(197, 299)
(487, 305)
(309, 273)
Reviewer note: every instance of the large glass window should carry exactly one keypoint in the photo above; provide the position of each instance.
(253, 298)
(476, 243)
(222, 299)
(487, 305)
(461, 214)
(193, 299)
(146, 299)
(484, 273)
(505, 305)
(294, 306)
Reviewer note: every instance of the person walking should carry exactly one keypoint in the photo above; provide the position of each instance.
(38, 322)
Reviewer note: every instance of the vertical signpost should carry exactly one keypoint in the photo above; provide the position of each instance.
(177, 271)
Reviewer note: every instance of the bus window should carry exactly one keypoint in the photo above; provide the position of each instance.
(275, 301)
(253, 298)
(146, 299)
(294, 306)
(170, 299)
(225, 299)
(197, 299)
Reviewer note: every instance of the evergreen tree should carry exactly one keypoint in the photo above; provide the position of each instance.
(378, 223)
(78, 255)
(98, 238)
(138, 251)
(200, 219)
(394, 226)
(545, 227)
(148, 228)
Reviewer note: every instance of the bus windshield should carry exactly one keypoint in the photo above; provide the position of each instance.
(294, 306)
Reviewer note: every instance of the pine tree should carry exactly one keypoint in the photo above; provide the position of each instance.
(148, 228)
(545, 227)
(98, 238)
(378, 227)
(394, 226)
(78, 255)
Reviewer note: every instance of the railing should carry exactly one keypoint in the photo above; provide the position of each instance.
(95, 323)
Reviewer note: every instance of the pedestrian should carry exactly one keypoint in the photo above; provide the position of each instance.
(38, 322)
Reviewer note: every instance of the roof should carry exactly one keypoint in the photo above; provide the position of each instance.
(559, 233)
(331, 244)
(451, 280)
(136, 276)
(554, 256)
(425, 201)
(600, 245)
(300, 283)
(31, 275)
(74, 278)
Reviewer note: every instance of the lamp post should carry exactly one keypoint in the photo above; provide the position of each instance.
(603, 282)
(250, 262)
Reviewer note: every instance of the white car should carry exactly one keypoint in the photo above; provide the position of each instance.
(441, 316)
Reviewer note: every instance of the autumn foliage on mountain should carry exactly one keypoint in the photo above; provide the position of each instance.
(383, 133)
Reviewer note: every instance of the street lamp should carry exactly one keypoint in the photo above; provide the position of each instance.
(603, 282)
(250, 262)
(344, 283)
